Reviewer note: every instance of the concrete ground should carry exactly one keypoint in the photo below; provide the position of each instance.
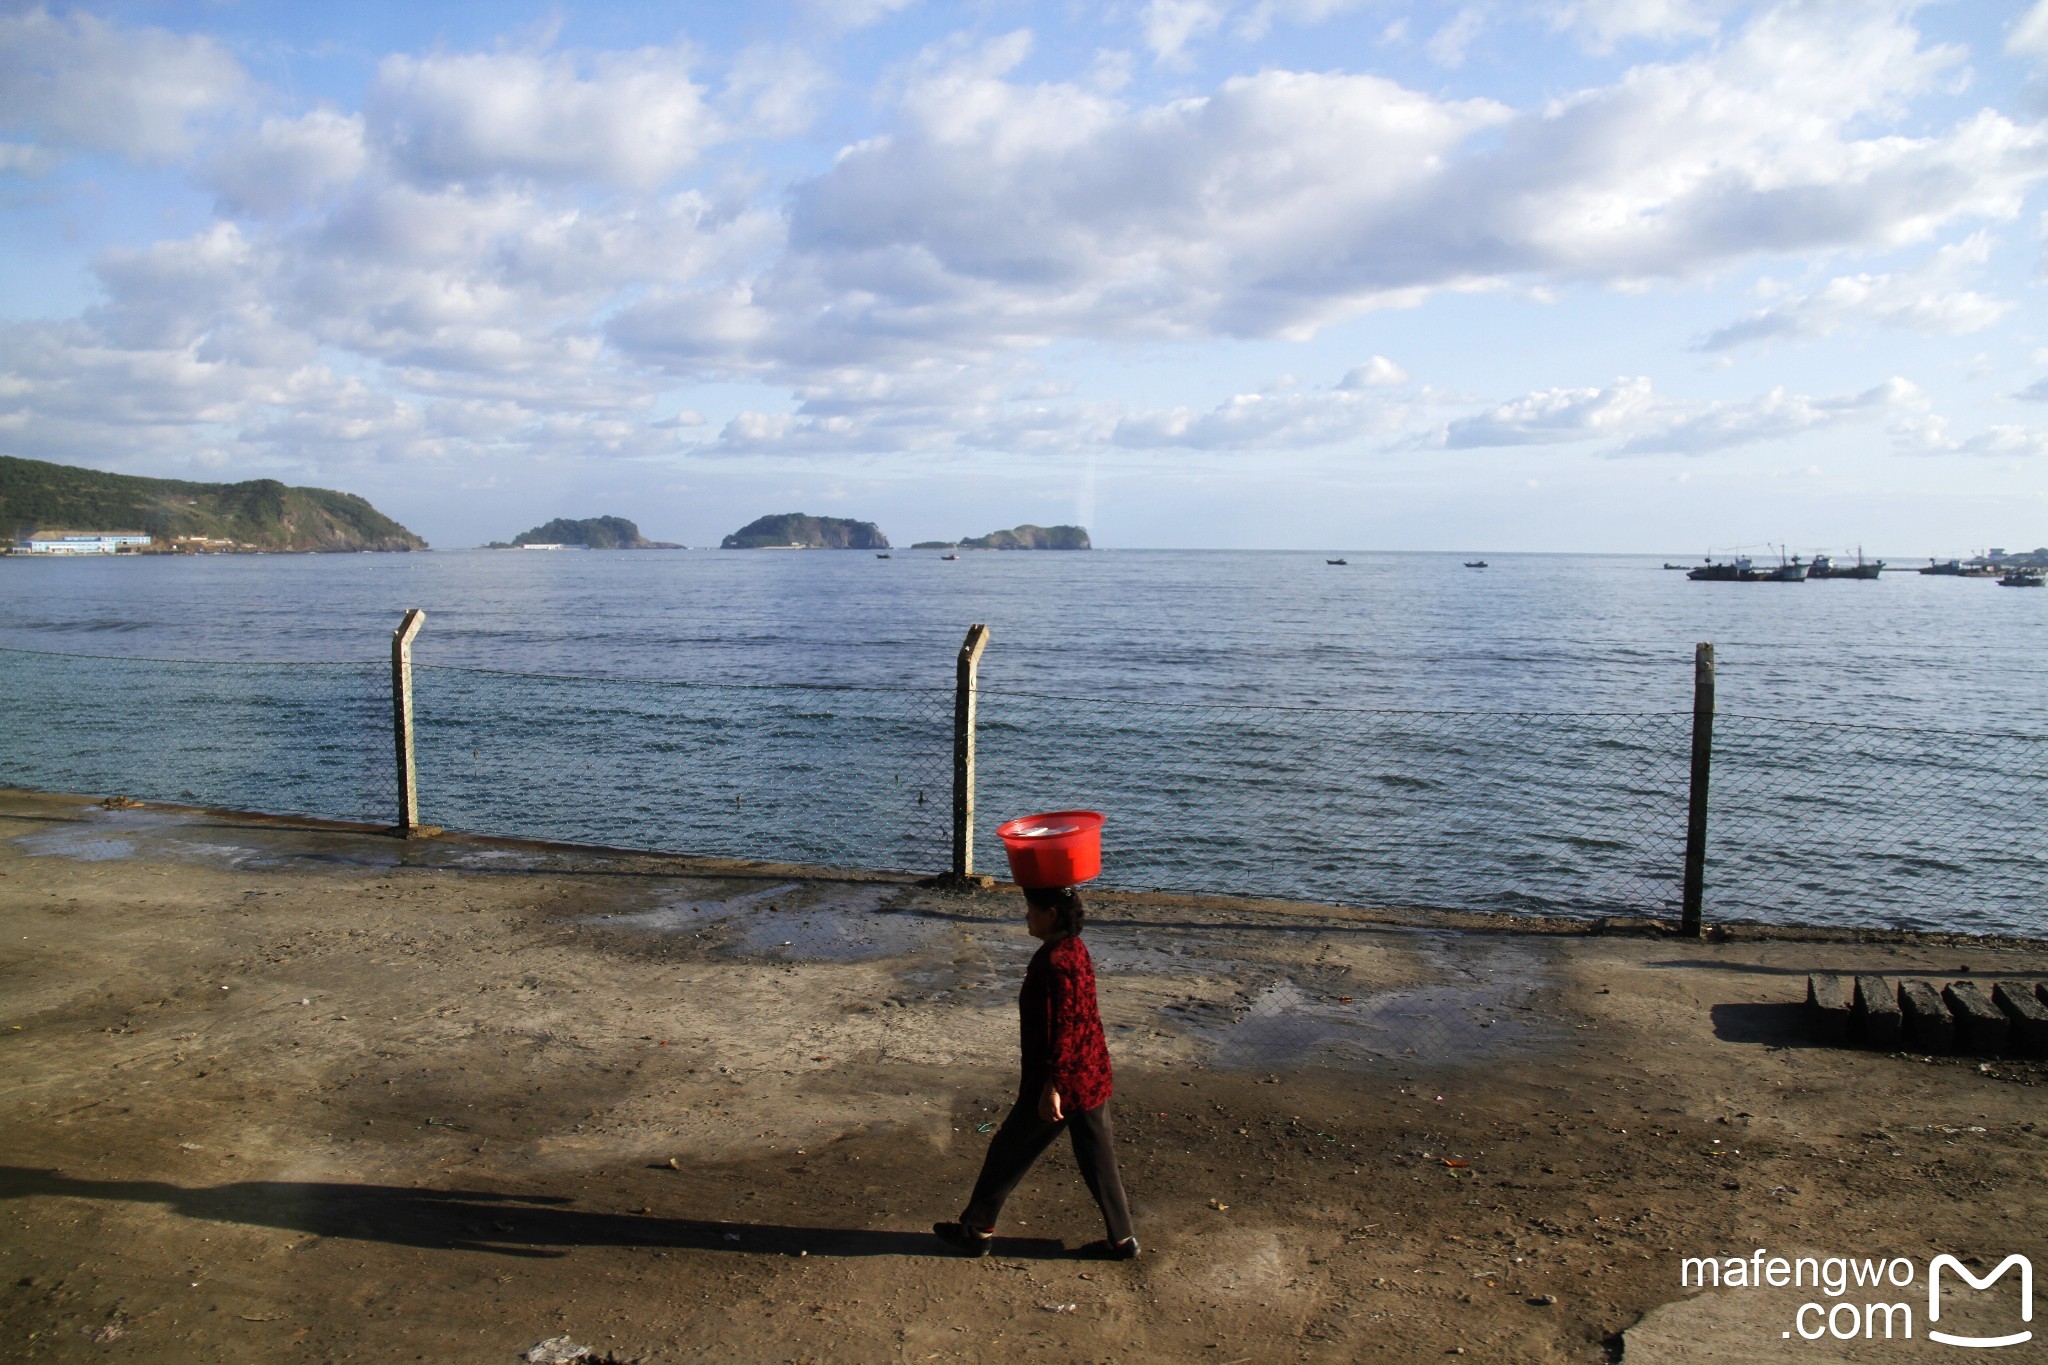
(274, 1090)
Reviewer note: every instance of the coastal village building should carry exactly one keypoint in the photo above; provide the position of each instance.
(81, 542)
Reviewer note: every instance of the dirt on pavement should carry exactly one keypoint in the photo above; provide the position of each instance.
(274, 1090)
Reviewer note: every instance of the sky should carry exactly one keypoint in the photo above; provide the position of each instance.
(1660, 276)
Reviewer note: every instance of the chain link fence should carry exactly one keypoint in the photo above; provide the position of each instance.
(296, 739)
(1540, 813)
(1521, 813)
(1865, 826)
(837, 776)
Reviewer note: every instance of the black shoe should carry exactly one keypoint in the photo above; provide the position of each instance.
(960, 1237)
(1106, 1250)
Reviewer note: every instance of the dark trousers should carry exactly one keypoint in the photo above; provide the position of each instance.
(1024, 1137)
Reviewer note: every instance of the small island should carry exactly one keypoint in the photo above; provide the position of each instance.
(800, 531)
(1025, 537)
(584, 533)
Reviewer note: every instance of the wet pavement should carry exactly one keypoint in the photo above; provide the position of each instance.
(1248, 991)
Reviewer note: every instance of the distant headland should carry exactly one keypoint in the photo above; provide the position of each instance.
(1025, 537)
(583, 533)
(50, 508)
(801, 531)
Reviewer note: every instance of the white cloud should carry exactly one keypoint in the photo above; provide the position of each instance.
(1926, 299)
(621, 118)
(1448, 45)
(1378, 372)
(1930, 436)
(495, 254)
(853, 14)
(1554, 415)
(75, 81)
(772, 91)
(289, 163)
(1265, 421)
(26, 158)
(1604, 25)
(1682, 430)
(1648, 424)
(1170, 25)
(998, 213)
(2029, 36)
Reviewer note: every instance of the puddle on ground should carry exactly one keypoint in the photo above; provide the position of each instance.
(84, 847)
(793, 922)
(109, 835)
(1484, 1002)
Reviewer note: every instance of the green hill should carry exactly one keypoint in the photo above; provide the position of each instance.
(595, 533)
(1025, 537)
(261, 514)
(812, 533)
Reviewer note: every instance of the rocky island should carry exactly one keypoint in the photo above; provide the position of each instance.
(800, 531)
(588, 533)
(1025, 537)
(37, 496)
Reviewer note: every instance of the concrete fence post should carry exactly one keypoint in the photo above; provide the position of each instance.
(401, 720)
(1696, 799)
(965, 673)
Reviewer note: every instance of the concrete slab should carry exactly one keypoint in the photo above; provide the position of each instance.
(1928, 1024)
(1981, 1027)
(1828, 1007)
(1874, 1018)
(2028, 1017)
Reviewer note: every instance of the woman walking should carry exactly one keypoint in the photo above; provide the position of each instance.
(1066, 1084)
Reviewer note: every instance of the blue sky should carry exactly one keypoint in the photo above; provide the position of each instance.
(1607, 275)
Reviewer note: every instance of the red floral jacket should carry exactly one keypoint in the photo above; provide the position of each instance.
(1060, 1028)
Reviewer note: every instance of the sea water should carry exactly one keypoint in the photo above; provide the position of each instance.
(1400, 729)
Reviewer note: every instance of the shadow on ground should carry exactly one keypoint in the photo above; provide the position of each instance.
(484, 1220)
(1777, 1025)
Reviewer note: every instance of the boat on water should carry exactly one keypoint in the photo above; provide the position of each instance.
(1336, 561)
(949, 556)
(1943, 568)
(882, 556)
(1475, 563)
(1736, 570)
(1742, 569)
(1680, 567)
(2024, 578)
(1787, 571)
(1824, 567)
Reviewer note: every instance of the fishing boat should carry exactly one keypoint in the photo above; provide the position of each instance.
(949, 556)
(2024, 578)
(1787, 571)
(1736, 570)
(1824, 567)
(1336, 561)
(1680, 567)
(1475, 563)
(882, 556)
(1945, 568)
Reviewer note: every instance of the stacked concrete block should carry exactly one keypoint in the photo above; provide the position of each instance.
(2027, 1017)
(1874, 1018)
(1981, 1027)
(1926, 1016)
(1928, 1025)
(1827, 1007)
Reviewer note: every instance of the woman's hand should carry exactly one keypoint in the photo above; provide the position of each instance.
(1049, 1104)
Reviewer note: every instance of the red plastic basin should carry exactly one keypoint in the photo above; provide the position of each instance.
(1057, 848)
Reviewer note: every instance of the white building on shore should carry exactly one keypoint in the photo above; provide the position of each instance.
(81, 542)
